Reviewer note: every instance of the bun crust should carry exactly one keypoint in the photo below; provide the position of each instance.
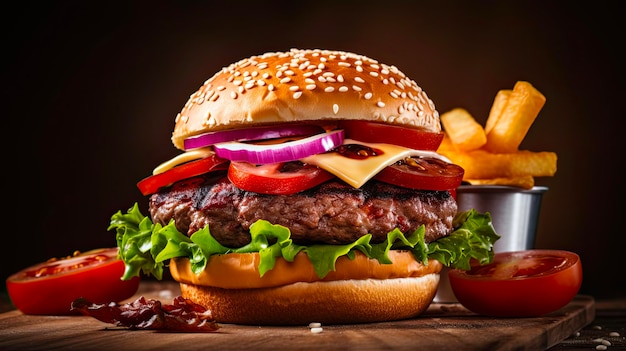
(334, 302)
(305, 85)
(359, 290)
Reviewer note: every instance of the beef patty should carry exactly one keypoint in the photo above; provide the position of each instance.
(332, 213)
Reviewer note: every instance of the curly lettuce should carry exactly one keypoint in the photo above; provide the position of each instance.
(146, 247)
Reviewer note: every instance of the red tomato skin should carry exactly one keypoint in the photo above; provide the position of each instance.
(373, 132)
(267, 179)
(152, 184)
(438, 175)
(53, 294)
(528, 296)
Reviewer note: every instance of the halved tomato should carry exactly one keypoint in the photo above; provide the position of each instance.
(276, 178)
(152, 184)
(519, 284)
(373, 132)
(50, 287)
(424, 173)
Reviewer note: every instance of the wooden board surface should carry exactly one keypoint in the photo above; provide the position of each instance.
(441, 327)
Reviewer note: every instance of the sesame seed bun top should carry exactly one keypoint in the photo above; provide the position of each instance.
(304, 85)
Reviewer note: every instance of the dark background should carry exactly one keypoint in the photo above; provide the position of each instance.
(93, 88)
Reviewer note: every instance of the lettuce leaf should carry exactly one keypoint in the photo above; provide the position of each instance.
(146, 247)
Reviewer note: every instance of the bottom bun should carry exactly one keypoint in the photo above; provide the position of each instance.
(327, 302)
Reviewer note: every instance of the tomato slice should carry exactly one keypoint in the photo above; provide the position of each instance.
(425, 173)
(152, 184)
(519, 284)
(276, 178)
(373, 132)
(49, 288)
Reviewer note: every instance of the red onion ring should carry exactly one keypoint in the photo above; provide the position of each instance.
(249, 134)
(284, 152)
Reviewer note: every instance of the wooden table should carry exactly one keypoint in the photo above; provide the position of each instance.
(441, 327)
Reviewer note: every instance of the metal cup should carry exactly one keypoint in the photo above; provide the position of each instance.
(515, 215)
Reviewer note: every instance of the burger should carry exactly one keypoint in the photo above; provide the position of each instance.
(308, 188)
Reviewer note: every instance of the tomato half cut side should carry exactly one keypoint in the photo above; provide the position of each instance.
(152, 184)
(373, 132)
(424, 173)
(276, 178)
(527, 283)
(48, 288)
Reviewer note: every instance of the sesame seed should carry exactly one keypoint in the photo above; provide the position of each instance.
(340, 78)
(309, 81)
(356, 88)
(260, 82)
(344, 64)
(359, 80)
(343, 88)
(221, 87)
(321, 79)
(308, 74)
(335, 108)
(380, 104)
(241, 90)
(279, 74)
(317, 330)
(289, 72)
(297, 94)
(394, 95)
(285, 80)
(329, 89)
(233, 94)
(270, 87)
(328, 74)
(315, 325)
(265, 75)
(250, 85)
(374, 74)
(367, 96)
(310, 86)
(294, 88)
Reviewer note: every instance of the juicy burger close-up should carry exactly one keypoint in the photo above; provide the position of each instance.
(308, 189)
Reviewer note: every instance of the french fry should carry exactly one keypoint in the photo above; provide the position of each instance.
(446, 144)
(496, 108)
(524, 182)
(481, 164)
(519, 113)
(463, 130)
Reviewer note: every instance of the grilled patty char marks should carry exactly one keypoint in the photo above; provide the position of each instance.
(332, 213)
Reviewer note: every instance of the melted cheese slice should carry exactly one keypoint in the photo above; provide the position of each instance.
(188, 156)
(357, 172)
(354, 172)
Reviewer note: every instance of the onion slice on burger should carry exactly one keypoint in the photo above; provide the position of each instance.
(248, 134)
(283, 152)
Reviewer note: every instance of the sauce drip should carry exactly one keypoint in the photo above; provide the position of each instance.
(356, 151)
